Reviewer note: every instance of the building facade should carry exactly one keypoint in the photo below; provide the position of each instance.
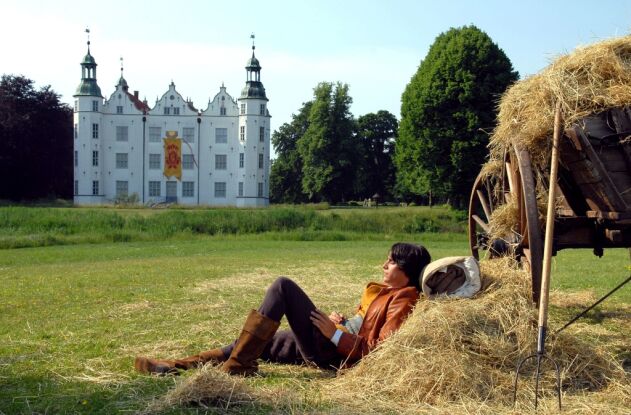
(171, 153)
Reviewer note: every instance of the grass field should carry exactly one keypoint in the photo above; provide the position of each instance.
(72, 317)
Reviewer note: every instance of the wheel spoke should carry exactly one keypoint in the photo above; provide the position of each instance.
(485, 204)
(481, 223)
(509, 174)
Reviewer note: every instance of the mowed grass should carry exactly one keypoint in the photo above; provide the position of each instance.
(72, 317)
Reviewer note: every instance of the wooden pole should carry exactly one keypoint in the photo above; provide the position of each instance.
(547, 250)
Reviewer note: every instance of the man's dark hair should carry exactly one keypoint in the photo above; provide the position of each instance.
(411, 259)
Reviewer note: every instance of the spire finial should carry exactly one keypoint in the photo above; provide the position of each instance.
(87, 30)
(121, 59)
(252, 37)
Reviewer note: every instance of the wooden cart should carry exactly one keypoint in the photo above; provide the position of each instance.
(593, 208)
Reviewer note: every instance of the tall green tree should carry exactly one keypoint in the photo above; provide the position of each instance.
(328, 148)
(377, 133)
(447, 112)
(286, 172)
(36, 137)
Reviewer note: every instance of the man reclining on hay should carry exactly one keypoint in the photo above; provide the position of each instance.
(327, 341)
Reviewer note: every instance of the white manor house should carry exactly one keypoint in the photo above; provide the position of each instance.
(173, 152)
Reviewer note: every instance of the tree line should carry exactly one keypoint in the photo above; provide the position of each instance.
(36, 141)
(434, 155)
(324, 154)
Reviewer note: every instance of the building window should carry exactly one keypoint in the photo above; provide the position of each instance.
(154, 188)
(121, 160)
(261, 134)
(260, 161)
(95, 106)
(95, 187)
(76, 105)
(260, 192)
(122, 133)
(242, 132)
(240, 188)
(242, 108)
(189, 134)
(220, 189)
(76, 158)
(122, 188)
(188, 189)
(262, 109)
(241, 160)
(222, 111)
(95, 158)
(95, 131)
(221, 162)
(76, 187)
(155, 134)
(176, 111)
(119, 109)
(221, 135)
(188, 161)
(155, 161)
(76, 132)
(167, 110)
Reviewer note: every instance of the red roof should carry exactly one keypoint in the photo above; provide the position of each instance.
(140, 105)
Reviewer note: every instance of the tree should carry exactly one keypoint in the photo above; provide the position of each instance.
(36, 137)
(377, 134)
(328, 148)
(447, 110)
(286, 173)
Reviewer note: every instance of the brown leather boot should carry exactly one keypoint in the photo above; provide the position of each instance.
(164, 367)
(257, 331)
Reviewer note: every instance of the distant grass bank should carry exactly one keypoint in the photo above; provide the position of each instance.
(22, 227)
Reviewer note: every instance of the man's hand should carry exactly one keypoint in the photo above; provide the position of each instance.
(323, 323)
(337, 318)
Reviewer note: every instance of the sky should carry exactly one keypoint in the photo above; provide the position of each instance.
(374, 46)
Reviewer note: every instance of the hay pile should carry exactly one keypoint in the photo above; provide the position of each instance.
(590, 80)
(450, 356)
(457, 355)
(207, 388)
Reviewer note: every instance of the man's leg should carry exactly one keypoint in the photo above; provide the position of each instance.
(285, 297)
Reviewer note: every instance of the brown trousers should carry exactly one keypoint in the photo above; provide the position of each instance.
(303, 343)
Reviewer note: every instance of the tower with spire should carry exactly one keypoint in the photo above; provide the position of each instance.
(122, 147)
(87, 129)
(254, 136)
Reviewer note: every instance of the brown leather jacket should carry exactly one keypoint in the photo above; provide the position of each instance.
(384, 316)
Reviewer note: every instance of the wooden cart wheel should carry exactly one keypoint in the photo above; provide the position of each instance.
(513, 181)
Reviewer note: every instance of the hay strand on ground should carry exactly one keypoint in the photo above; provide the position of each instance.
(208, 387)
